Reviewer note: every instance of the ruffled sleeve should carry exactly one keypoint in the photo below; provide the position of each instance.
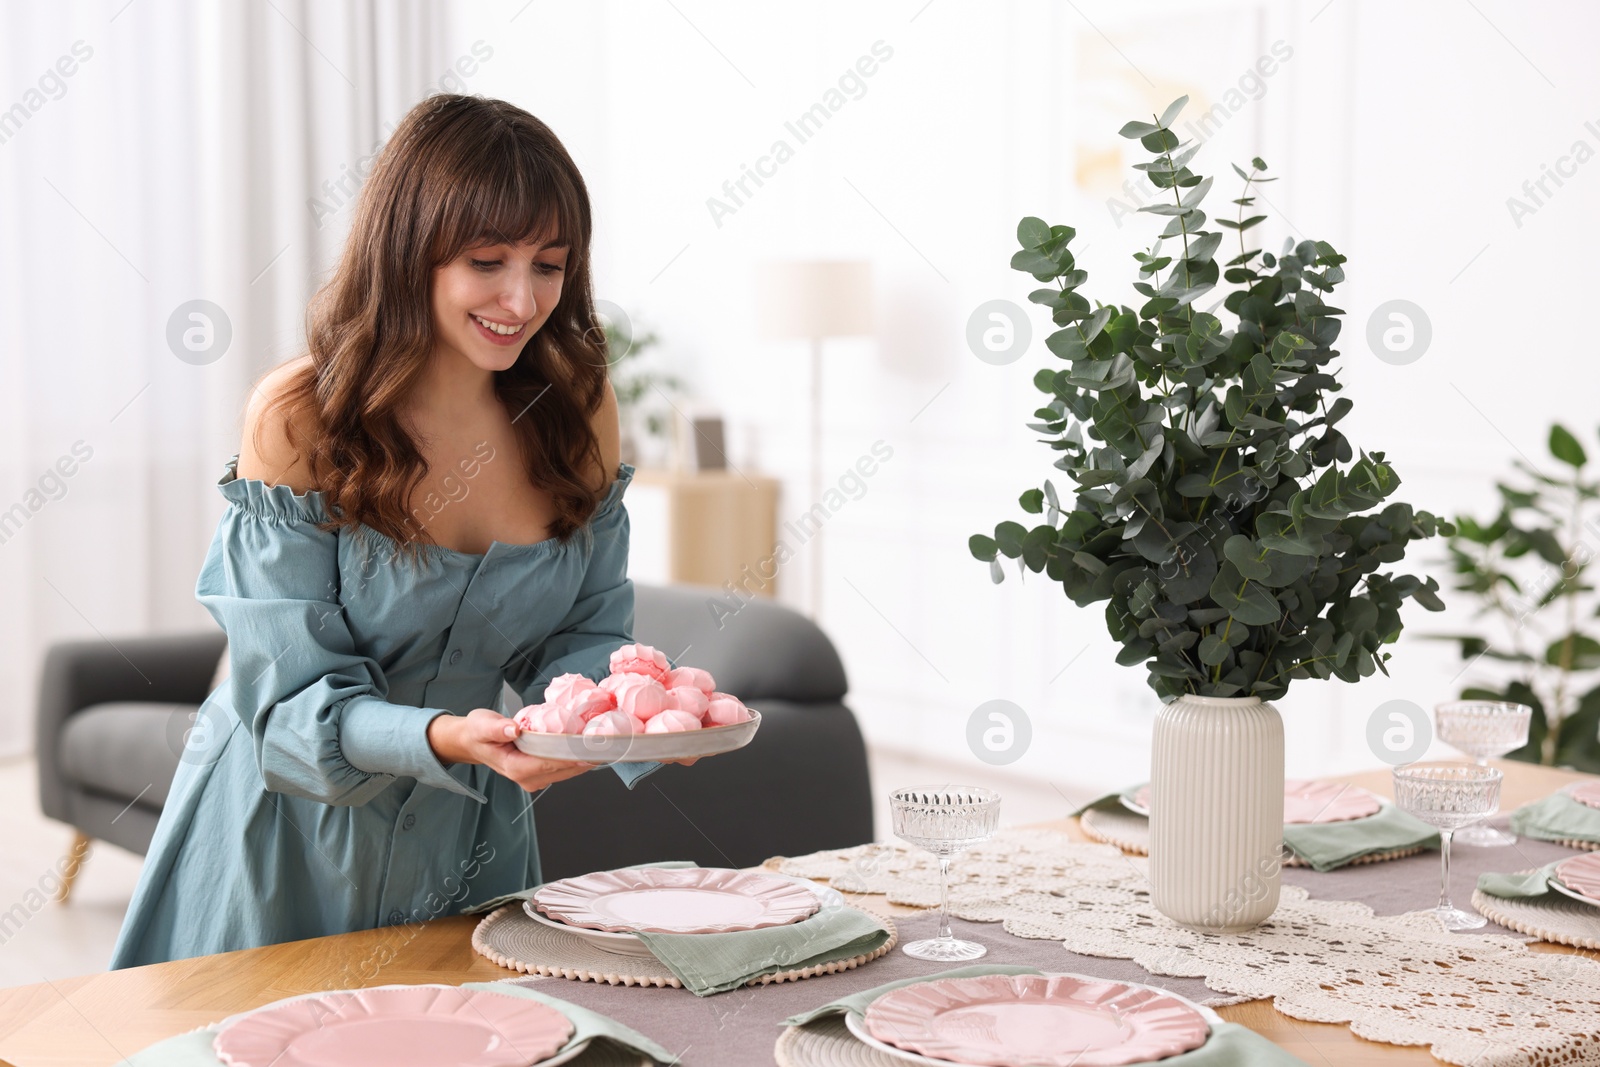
(313, 704)
(601, 617)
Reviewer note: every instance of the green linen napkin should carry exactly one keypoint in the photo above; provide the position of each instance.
(1532, 884)
(1327, 845)
(1557, 818)
(588, 1025)
(716, 963)
(1230, 1044)
(523, 894)
(1330, 845)
(194, 1049)
(1110, 800)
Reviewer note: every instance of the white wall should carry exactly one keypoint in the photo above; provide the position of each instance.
(171, 158)
(1398, 130)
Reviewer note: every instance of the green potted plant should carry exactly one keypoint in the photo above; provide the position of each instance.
(1527, 570)
(1236, 537)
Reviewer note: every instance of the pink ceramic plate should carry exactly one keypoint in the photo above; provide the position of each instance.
(1318, 802)
(1587, 793)
(1304, 801)
(1581, 874)
(686, 900)
(1002, 1020)
(396, 1026)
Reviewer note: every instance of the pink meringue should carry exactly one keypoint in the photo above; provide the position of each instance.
(641, 659)
(687, 698)
(613, 722)
(548, 719)
(526, 718)
(564, 687)
(691, 676)
(612, 682)
(587, 703)
(643, 701)
(672, 721)
(557, 719)
(724, 709)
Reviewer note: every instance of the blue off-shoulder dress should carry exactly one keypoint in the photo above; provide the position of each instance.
(308, 800)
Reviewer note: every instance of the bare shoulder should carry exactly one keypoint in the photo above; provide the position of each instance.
(608, 435)
(266, 452)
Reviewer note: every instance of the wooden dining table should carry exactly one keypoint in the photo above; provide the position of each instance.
(98, 1019)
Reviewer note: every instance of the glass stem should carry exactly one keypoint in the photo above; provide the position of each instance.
(1444, 869)
(944, 898)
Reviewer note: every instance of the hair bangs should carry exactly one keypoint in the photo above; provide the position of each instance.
(511, 195)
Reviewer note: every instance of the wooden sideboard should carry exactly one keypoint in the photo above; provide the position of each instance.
(714, 525)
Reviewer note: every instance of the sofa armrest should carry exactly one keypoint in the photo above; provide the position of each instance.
(169, 669)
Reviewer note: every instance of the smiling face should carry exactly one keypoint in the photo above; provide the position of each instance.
(490, 299)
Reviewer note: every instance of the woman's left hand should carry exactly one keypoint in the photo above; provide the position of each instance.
(487, 737)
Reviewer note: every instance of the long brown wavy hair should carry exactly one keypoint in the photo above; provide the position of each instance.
(458, 172)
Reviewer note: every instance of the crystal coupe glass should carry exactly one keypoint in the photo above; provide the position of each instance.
(944, 820)
(1448, 796)
(1483, 729)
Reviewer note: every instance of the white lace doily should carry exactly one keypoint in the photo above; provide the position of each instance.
(1475, 1001)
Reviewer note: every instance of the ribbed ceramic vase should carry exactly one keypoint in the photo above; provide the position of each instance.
(1216, 812)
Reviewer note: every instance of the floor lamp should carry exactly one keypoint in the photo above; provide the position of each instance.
(814, 300)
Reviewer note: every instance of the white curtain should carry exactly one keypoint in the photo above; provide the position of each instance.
(154, 153)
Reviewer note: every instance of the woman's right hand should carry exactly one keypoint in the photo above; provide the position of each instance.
(485, 736)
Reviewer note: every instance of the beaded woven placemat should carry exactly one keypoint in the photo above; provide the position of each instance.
(1551, 917)
(509, 938)
(828, 1043)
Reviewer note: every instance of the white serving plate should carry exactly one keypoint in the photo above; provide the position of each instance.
(858, 1028)
(626, 944)
(621, 748)
(1574, 894)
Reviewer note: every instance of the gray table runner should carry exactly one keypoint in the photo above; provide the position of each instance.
(1412, 884)
(738, 1028)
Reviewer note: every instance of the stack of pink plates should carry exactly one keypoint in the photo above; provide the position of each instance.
(1579, 878)
(1587, 793)
(1304, 801)
(399, 1026)
(608, 908)
(1052, 1020)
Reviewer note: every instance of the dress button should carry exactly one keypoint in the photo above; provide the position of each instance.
(396, 917)
(455, 657)
(408, 822)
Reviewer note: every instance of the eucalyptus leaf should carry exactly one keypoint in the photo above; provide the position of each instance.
(1032, 232)
(1214, 650)
(1242, 553)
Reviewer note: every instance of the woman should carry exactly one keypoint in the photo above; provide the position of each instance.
(424, 506)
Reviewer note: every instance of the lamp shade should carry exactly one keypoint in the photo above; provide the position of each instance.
(814, 298)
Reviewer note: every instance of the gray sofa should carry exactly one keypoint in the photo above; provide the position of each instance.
(111, 722)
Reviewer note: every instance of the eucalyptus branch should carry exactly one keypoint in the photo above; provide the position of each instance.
(1212, 564)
